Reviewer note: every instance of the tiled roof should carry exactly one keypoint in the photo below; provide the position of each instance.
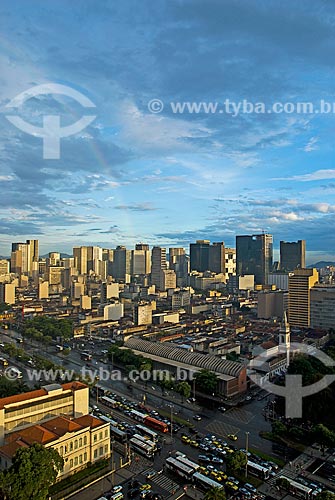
(89, 421)
(39, 393)
(61, 425)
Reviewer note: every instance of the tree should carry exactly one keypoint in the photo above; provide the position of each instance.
(283, 483)
(206, 381)
(325, 495)
(236, 461)
(31, 474)
(215, 493)
(279, 428)
(323, 435)
(11, 387)
(184, 389)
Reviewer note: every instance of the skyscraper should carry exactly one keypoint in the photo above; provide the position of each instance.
(80, 259)
(158, 264)
(292, 255)
(140, 260)
(199, 254)
(121, 267)
(179, 263)
(207, 257)
(300, 283)
(254, 256)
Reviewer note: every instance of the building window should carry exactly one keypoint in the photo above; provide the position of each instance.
(80, 459)
(85, 456)
(106, 448)
(61, 451)
(71, 446)
(95, 453)
(75, 460)
(65, 448)
(80, 442)
(71, 463)
(106, 433)
(101, 450)
(95, 438)
(76, 444)
(100, 436)
(85, 440)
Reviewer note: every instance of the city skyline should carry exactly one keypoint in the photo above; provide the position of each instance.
(164, 178)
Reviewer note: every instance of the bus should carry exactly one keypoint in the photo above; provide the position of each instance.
(118, 434)
(142, 438)
(258, 470)
(205, 482)
(189, 463)
(152, 435)
(177, 467)
(155, 424)
(109, 420)
(298, 489)
(141, 447)
(137, 415)
(108, 402)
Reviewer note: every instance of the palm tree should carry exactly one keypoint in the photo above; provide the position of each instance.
(215, 494)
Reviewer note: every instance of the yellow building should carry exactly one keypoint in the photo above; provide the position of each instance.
(55, 416)
(299, 290)
(79, 441)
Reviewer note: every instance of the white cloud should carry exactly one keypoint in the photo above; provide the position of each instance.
(313, 176)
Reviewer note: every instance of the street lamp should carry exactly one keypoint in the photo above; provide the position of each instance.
(273, 409)
(171, 422)
(246, 452)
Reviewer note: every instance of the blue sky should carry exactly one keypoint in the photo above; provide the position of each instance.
(168, 178)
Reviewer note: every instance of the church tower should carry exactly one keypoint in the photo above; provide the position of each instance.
(285, 337)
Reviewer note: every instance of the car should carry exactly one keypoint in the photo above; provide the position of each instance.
(196, 417)
(222, 409)
(151, 474)
(117, 488)
(146, 493)
(145, 486)
(185, 439)
(233, 437)
(231, 486)
(250, 487)
(217, 460)
(245, 492)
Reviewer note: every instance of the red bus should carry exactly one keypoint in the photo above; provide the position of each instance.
(156, 424)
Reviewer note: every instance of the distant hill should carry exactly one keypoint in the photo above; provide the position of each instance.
(62, 256)
(322, 263)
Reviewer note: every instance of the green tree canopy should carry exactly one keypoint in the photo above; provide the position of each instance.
(206, 381)
(11, 387)
(215, 494)
(31, 474)
(325, 495)
(184, 389)
(236, 461)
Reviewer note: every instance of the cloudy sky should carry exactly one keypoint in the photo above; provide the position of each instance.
(169, 178)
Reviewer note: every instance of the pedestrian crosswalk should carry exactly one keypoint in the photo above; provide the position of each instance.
(222, 428)
(165, 483)
(239, 414)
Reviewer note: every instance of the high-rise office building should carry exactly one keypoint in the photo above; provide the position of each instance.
(254, 256)
(80, 259)
(158, 264)
(292, 255)
(121, 267)
(199, 255)
(179, 263)
(300, 283)
(230, 270)
(207, 257)
(24, 257)
(323, 306)
(217, 258)
(140, 260)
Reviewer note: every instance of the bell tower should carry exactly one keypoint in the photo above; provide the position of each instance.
(285, 337)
